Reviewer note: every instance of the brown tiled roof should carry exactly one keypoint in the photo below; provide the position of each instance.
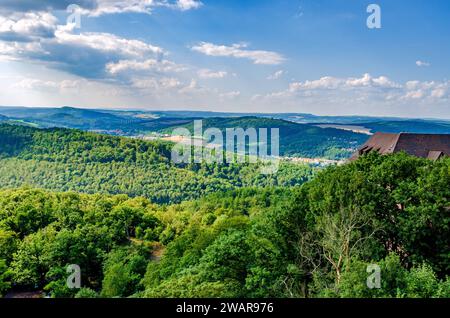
(432, 146)
(435, 155)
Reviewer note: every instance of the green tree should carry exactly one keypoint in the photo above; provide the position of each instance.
(123, 271)
(4, 277)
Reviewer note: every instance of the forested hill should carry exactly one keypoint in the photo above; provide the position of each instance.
(317, 240)
(64, 160)
(298, 140)
(64, 145)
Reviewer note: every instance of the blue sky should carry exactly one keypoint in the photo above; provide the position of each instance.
(315, 56)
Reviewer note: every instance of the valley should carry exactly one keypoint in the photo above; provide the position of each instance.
(139, 225)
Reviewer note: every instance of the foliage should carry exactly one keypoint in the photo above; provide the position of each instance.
(4, 277)
(317, 240)
(123, 271)
(70, 160)
(86, 293)
(314, 240)
(296, 140)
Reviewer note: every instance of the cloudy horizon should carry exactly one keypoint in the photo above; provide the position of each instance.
(261, 56)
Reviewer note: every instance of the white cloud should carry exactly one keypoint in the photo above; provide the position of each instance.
(104, 7)
(239, 51)
(439, 92)
(106, 42)
(166, 85)
(326, 82)
(32, 83)
(427, 90)
(43, 5)
(192, 87)
(368, 81)
(99, 7)
(209, 74)
(276, 75)
(119, 6)
(140, 6)
(25, 27)
(331, 83)
(230, 95)
(155, 83)
(418, 94)
(188, 4)
(49, 85)
(163, 66)
(367, 89)
(422, 63)
(17, 50)
(89, 54)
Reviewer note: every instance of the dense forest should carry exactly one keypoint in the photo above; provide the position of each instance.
(310, 240)
(302, 140)
(71, 160)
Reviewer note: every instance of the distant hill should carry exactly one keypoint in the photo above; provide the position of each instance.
(67, 117)
(410, 126)
(299, 140)
(304, 135)
(296, 139)
(344, 120)
(112, 122)
(72, 160)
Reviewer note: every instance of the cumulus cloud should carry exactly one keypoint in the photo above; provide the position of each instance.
(330, 83)
(32, 83)
(163, 66)
(209, 74)
(86, 54)
(100, 61)
(188, 4)
(367, 88)
(230, 95)
(426, 90)
(98, 7)
(26, 27)
(422, 64)
(29, 32)
(103, 7)
(239, 51)
(368, 81)
(39, 84)
(140, 6)
(106, 42)
(156, 83)
(276, 75)
(170, 86)
(44, 5)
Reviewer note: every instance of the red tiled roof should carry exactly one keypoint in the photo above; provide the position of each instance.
(435, 155)
(432, 146)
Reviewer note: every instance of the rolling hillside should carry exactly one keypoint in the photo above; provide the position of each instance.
(302, 135)
(115, 123)
(72, 160)
(296, 140)
(410, 126)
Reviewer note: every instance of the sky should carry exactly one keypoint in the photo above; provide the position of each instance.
(304, 56)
